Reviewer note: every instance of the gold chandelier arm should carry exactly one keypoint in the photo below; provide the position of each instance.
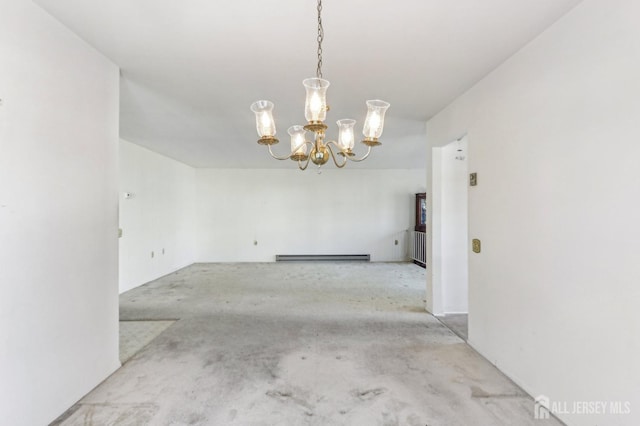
(279, 158)
(328, 145)
(306, 163)
(357, 160)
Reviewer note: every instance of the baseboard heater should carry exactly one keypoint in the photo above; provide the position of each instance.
(321, 257)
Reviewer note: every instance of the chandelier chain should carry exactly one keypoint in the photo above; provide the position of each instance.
(320, 39)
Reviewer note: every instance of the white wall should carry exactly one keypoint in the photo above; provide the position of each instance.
(553, 134)
(58, 216)
(293, 212)
(450, 262)
(159, 216)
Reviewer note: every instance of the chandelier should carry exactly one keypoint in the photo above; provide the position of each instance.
(315, 112)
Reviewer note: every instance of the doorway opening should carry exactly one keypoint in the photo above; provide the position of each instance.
(451, 235)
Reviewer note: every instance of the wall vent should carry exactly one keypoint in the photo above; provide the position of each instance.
(322, 257)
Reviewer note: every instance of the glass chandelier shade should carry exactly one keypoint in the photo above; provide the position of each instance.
(298, 140)
(374, 122)
(315, 107)
(265, 123)
(346, 137)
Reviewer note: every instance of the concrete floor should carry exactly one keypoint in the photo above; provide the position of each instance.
(458, 323)
(299, 344)
(135, 335)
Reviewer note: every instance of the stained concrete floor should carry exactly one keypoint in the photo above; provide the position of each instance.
(135, 335)
(299, 344)
(458, 323)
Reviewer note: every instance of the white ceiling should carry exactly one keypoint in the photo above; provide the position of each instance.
(191, 69)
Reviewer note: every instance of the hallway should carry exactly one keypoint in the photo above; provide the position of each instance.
(299, 344)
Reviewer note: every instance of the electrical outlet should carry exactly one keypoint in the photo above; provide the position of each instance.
(395, 243)
(473, 179)
(476, 245)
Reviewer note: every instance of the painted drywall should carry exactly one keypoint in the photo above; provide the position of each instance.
(58, 216)
(552, 133)
(157, 217)
(449, 189)
(294, 212)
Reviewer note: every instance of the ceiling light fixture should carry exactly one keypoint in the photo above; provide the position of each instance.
(315, 112)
